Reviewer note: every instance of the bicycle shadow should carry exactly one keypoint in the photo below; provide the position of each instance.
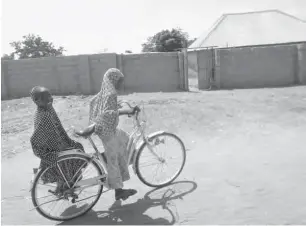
(134, 213)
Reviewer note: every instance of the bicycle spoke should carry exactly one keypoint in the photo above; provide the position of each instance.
(86, 198)
(48, 202)
(62, 204)
(62, 174)
(54, 205)
(170, 155)
(47, 185)
(43, 197)
(155, 172)
(162, 167)
(69, 170)
(146, 164)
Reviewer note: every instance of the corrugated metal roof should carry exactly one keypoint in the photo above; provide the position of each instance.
(253, 28)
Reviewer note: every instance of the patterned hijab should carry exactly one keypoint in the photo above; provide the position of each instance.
(48, 129)
(103, 106)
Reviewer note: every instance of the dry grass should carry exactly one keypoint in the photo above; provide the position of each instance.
(202, 114)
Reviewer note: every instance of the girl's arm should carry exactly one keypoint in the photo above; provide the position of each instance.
(125, 111)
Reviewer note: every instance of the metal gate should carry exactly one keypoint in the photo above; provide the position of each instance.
(206, 69)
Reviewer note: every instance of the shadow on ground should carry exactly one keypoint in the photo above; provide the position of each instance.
(134, 213)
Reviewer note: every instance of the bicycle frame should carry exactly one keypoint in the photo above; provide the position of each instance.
(137, 134)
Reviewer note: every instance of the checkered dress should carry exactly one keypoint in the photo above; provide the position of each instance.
(48, 139)
(103, 107)
(104, 113)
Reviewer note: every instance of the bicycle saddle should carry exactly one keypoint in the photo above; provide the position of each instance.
(86, 132)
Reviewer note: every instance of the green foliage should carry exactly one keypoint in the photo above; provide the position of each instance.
(166, 41)
(7, 57)
(33, 46)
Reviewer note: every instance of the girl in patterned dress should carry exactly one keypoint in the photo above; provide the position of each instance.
(104, 114)
(50, 138)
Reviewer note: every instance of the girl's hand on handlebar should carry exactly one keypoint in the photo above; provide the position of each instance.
(130, 111)
(136, 109)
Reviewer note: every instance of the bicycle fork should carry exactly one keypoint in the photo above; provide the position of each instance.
(152, 151)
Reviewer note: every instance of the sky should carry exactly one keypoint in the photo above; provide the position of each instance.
(91, 26)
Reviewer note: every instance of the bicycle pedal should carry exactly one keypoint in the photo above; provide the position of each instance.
(52, 192)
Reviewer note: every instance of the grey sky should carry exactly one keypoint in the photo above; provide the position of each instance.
(89, 26)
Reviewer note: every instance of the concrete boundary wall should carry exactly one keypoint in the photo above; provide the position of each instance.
(160, 69)
(301, 65)
(83, 74)
(252, 67)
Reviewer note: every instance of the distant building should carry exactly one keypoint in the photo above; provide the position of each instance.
(253, 28)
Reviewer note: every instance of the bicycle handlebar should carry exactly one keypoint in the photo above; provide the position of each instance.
(125, 102)
(135, 108)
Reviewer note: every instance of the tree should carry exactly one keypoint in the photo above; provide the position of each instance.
(166, 41)
(128, 51)
(33, 46)
(7, 57)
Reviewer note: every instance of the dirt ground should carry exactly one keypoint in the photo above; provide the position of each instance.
(245, 160)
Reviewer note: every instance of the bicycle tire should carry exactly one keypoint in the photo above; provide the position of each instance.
(33, 190)
(140, 176)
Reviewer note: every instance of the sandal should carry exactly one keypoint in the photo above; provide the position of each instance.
(125, 194)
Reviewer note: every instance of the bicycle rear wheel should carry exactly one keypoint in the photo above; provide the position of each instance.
(165, 165)
(54, 200)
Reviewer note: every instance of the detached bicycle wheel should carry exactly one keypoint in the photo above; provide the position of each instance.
(165, 164)
(55, 200)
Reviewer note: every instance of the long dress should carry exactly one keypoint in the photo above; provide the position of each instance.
(48, 139)
(104, 113)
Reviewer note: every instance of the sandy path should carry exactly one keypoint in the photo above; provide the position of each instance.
(244, 179)
(246, 163)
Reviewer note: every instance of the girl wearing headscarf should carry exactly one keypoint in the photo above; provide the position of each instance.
(104, 114)
(50, 138)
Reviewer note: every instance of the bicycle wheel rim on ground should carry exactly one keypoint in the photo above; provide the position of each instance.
(41, 202)
(143, 174)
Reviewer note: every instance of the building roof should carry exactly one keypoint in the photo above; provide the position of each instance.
(253, 28)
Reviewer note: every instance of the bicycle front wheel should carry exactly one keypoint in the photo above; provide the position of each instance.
(161, 162)
(54, 195)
